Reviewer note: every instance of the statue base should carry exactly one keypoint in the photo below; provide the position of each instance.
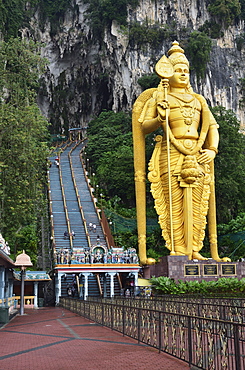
(180, 267)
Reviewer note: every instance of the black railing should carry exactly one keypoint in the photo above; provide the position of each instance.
(199, 341)
(229, 310)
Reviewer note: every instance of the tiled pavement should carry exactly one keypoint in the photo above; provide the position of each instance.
(57, 339)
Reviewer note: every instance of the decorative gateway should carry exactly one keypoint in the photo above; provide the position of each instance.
(97, 254)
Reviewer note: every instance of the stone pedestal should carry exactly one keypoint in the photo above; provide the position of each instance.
(179, 267)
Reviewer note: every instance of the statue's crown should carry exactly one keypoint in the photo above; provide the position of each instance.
(176, 54)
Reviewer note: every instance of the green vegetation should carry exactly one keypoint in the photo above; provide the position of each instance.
(146, 34)
(101, 13)
(53, 11)
(148, 81)
(225, 11)
(16, 14)
(212, 29)
(198, 50)
(12, 17)
(23, 145)
(110, 154)
(229, 167)
(242, 91)
(222, 286)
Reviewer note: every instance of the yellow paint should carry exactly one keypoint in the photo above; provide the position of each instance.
(181, 168)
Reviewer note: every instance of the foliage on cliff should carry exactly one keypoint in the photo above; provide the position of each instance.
(198, 50)
(101, 13)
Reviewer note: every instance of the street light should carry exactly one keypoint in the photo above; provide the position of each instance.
(22, 261)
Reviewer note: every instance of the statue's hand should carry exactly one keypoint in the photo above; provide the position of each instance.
(161, 109)
(206, 156)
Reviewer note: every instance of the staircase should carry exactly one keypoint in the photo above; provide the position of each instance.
(73, 208)
(74, 215)
(84, 194)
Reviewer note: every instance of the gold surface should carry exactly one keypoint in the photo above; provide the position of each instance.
(181, 169)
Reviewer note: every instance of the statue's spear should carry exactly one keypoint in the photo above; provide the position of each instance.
(165, 71)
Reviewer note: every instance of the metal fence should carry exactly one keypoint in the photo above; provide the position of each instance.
(202, 342)
(226, 309)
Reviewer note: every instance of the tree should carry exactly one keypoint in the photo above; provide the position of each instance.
(23, 140)
(110, 154)
(198, 51)
(229, 166)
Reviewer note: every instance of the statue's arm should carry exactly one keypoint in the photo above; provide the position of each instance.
(210, 147)
(213, 138)
(150, 119)
(150, 125)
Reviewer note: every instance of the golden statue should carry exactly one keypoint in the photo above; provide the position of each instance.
(181, 170)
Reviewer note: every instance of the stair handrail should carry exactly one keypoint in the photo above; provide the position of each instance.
(78, 196)
(99, 283)
(51, 213)
(65, 206)
(93, 199)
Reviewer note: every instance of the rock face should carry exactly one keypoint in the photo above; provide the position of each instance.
(85, 76)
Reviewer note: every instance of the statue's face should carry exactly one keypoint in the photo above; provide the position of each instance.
(180, 77)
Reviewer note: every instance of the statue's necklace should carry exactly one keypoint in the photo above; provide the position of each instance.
(187, 108)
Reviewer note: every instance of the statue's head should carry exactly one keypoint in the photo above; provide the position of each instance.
(177, 55)
(180, 63)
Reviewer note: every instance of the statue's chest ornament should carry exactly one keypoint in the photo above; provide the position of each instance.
(187, 108)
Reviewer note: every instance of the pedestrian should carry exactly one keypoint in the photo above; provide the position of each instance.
(94, 228)
(73, 234)
(90, 225)
(66, 235)
(57, 161)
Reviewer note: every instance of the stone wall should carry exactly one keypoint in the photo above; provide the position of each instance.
(179, 267)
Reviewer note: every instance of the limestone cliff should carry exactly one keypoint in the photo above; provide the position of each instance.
(85, 76)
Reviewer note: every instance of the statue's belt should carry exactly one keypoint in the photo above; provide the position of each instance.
(187, 143)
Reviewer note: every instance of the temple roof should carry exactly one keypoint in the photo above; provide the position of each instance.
(33, 276)
(5, 260)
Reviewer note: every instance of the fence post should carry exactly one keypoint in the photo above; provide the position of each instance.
(102, 308)
(112, 318)
(189, 340)
(138, 319)
(160, 332)
(237, 347)
(123, 318)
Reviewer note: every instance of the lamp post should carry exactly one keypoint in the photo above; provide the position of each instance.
(22, 261)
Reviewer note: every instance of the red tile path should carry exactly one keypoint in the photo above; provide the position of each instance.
(57, 339)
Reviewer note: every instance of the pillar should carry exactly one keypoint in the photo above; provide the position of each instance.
(80, 286)
(35, 294)
(57, 287)
(104, 286)
(111, 274)
(2, 284)
(135, 281)
(86, 275)
(11, 287)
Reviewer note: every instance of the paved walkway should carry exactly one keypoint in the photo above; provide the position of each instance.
(57, 339)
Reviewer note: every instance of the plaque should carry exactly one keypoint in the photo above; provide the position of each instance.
(228, 270)
(210, 270)
(192, 270)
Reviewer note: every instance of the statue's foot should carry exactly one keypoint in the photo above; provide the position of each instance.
(150, 261)
(198, 256)
(225, 259)
(179, 254)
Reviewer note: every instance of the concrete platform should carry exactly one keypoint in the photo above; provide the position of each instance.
(56, 339)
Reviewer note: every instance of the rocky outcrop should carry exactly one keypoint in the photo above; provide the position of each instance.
(85, 76)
